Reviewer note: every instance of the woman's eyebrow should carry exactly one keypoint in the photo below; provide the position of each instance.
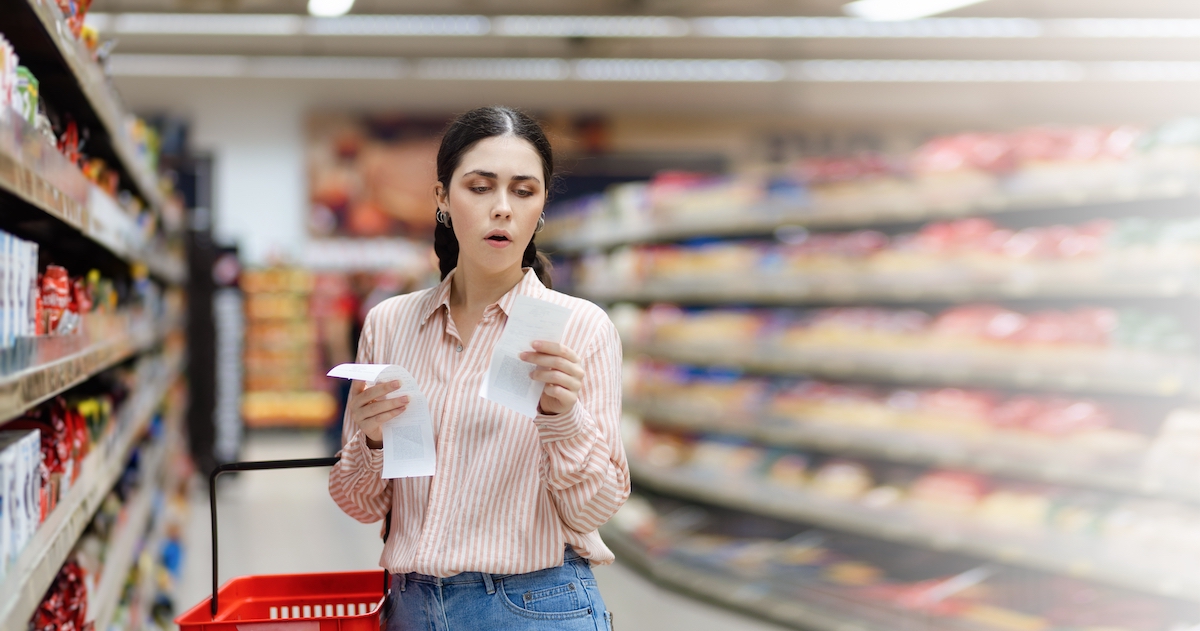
(491, 175)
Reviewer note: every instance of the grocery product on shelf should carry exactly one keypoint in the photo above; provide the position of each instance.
(284, 382)
(20, 486)
(64, 608)
(819, 579)
(942, 258)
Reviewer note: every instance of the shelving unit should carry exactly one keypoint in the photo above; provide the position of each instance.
(1059, 554)
(567, 237)
(757, 598)
(37, 174)
(123, 545)
(1090, 280)
(70, 76)
(56, 364)
(1010, 456)
(39, 563)
(1112, 278)
(47, 199)
(1100, 371)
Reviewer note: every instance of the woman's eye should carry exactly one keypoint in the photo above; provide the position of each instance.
(480, 189)
(524, 193)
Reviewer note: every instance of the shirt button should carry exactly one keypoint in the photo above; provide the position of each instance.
(459, 349)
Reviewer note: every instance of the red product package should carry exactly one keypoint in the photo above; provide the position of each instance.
(64, 608)
(56, 296)
(81, 296)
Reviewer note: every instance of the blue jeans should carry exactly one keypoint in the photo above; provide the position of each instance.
(562, 598)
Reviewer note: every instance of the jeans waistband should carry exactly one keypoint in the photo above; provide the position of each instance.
(569, 554)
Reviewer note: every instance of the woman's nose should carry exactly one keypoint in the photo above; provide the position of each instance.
(502, 208)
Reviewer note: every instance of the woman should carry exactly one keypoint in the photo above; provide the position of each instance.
(503, 536)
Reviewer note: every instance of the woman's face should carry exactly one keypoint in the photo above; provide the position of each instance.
(495, 198)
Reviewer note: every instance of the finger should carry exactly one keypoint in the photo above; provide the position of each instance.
(379, 390)
(384, 417)
(554, 377)
(379, 407)
(555, 362)
(559, 393)
(554, 348)
(356, 386)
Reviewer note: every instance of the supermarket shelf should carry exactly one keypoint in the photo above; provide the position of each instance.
(123, 546)
(566, 237)
(45, 554)
(1048, 461)
(754, 598)
(1111, 372)
(90, 88)
(38, 174)
(1094, 280)
(46, 366)
(1062, 554)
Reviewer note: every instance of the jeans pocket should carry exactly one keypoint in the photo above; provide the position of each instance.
(557, 602)
(608, 620)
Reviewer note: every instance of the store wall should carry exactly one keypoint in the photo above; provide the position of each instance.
(256, 138)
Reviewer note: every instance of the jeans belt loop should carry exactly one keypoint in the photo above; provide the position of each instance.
(401, 580)
(487, 582)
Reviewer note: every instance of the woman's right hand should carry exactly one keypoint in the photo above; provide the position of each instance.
(369, 409)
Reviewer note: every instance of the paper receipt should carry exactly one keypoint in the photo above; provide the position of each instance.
(508, 380)
(408, 448)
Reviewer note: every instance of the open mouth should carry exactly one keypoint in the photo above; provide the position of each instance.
(497, 237)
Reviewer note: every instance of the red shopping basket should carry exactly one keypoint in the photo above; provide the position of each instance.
(334, 601)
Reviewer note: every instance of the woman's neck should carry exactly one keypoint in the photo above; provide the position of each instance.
(473, 289)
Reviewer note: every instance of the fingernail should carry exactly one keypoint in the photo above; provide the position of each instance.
(404, 399)
(537, 344)
(395, 385)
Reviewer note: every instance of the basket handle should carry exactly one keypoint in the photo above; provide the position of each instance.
(256, 466)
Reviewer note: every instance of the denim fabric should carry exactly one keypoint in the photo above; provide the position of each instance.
(562, 598)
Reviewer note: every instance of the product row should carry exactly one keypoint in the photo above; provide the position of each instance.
(20, 96)
(52, 301)
(1042, 524)
(813, 578)
(1133, 445)
(958, 175)
(967, 254)
(971, 328)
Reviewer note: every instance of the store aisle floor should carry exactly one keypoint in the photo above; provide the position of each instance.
(284, 521)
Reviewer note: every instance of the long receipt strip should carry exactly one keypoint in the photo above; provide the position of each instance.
(508, 382)
(408, 450)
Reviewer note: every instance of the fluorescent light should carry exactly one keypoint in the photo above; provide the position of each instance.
(725, 70)
(1167, 71)
(519, 69)
(329, 8)
(1125, 27)
(818, 27)
(416, 25)
(327, 68)
(204, 24)
(177, 65)
(887, 10)
(589, 26)
(936, 71)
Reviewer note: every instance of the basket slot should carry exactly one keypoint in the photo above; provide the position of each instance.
(341, 610)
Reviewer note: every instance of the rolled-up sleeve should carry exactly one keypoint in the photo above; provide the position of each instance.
(356, 482)
(584, 466)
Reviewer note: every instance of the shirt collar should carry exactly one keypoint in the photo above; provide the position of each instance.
(530, 285)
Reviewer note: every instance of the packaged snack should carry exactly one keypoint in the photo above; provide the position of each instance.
(56, 296)
(27, 95)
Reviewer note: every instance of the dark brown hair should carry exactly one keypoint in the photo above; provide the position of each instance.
(460, 136)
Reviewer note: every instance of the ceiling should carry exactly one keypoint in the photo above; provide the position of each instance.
(379, 71)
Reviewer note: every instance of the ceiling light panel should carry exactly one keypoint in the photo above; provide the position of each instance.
(589, 26)
(821, 27)
(936, 71)
(327, 68)
(1124, 28)
(723, 70)
(400, 25)
(204, 24)
(177, 65)
(520, 69)
(903, 9)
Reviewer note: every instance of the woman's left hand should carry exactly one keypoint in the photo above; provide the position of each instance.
(558, 367)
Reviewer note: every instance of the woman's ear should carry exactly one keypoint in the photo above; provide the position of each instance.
(440, 195)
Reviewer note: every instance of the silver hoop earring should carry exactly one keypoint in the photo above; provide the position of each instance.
(443, 217)
(541, 224)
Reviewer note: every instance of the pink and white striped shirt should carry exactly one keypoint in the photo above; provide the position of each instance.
(509, 492)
